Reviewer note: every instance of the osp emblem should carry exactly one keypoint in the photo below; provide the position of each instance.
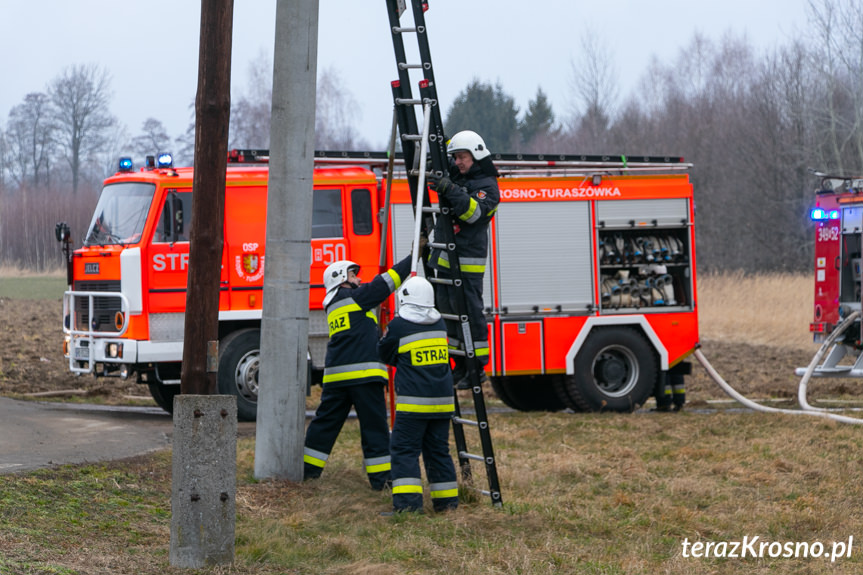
(250, 263)
(249, 266)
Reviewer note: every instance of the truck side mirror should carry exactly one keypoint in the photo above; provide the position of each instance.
(179, 223)
(61, 231)
(166, 222)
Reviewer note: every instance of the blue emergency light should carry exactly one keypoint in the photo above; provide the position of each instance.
(820, 214)
(164, 160)
(125, 164)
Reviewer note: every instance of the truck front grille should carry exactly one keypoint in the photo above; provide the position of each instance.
(104, 308)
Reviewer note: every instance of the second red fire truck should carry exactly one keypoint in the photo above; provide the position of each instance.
(590, 288)
(838, 218)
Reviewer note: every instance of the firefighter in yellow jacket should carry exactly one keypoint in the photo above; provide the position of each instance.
(416, 344)
(353, 375)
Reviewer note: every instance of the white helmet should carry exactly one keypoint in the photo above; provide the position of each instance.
(470, 142)
(337, 273)
(416, 291)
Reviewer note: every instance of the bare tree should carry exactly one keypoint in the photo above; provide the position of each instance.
(3, 160)
(117, 144)
(152, 139)
(250, 113)
(186, 141)
(336, 111)
(30, 140)
(837, 56)
(594, 80)
(80, 97)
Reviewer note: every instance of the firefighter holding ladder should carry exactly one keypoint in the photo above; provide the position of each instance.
(472, 192)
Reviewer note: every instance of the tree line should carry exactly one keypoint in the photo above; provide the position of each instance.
(753, 124)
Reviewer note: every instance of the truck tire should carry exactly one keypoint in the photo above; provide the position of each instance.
(559, 383)
(163, 394)
(527, 392)
(615, 370)
(239, 363)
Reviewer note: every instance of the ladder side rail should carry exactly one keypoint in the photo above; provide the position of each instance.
(385, 219)
(486, 443)
(421, 188)
(428, 89)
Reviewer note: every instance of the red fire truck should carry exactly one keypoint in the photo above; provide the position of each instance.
(590, 288)
(838, 218)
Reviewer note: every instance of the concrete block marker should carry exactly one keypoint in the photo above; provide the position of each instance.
(203, 481)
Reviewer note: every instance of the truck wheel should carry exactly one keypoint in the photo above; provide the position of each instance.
(558, 382)
(527, 392)
(239, 363)
(164, 394)
(615, 370)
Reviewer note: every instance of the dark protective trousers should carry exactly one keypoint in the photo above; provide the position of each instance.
(670, 391)
(411, 438)
(447, 304)
(370, 404)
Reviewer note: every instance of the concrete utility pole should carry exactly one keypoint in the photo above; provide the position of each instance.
(285, 323)
(203, 479)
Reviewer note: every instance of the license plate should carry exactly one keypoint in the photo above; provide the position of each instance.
(82, 353)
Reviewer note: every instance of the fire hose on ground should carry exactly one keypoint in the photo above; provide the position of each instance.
(806, 409)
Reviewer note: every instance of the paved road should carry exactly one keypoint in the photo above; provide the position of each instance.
(35, 435)
(41, 434)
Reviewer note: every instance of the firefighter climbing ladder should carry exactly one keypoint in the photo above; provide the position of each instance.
(431, 143)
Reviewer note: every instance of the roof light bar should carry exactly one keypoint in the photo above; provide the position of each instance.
(164, 160)
(820, 214)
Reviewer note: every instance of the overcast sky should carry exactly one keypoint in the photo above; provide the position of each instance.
(151, 48)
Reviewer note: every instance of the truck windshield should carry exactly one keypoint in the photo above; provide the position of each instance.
(120, 214)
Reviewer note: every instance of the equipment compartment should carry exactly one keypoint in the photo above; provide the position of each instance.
(644, 269)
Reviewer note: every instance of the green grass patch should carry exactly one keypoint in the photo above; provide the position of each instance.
(33, 287)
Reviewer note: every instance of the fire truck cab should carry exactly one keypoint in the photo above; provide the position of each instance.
(590, 287)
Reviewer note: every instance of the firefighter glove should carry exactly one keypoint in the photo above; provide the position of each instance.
(432, 178)
(443, 186)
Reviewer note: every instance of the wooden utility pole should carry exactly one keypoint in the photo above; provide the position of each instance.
(285, 322)
(204, 469)
(212, 115)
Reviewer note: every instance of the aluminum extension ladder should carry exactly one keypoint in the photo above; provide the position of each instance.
(417, 147)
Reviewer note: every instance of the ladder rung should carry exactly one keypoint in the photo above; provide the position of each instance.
(412, 137)
(450, 316)
(408, 102)
(399, 30)
(438, 246)
(456, 352)
(466, 455)
(466, 421)
(431, 210)
(406, 66)
(441, 281)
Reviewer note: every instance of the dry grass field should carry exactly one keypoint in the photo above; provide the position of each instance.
(599, 494)
(772, 310)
